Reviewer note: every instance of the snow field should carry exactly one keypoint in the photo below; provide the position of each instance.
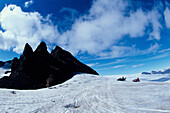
(87, 93)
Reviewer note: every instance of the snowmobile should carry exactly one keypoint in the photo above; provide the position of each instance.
(136, 80)
(121, 79)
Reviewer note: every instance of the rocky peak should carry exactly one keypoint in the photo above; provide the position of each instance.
(42, 48)
(27, 50)
(40, 69)
(57, 51)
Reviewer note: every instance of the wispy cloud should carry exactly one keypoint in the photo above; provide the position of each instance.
(99, 58)
(156, 57)
(114, 67)
(159, 56)
(103, 68)
(165, 50)
(134, 66)
(119, 66)
(115, 62)
(92, 64)
(29, 3)
(167, 17)
(124, 51)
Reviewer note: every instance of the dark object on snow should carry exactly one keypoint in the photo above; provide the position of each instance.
(136, 80)
(146, 73)
(121, 79)
(40, 69)
(13, 92)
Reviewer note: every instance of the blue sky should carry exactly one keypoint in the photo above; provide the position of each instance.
(111, 36)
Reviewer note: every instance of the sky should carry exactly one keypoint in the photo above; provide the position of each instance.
(111, 36)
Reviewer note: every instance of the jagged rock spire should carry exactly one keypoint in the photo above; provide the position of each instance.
(40, 69)
(56, 51)
(27, 50)
(41, 48)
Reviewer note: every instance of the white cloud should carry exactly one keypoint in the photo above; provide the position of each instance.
(114, 67)
(156, 57)
(124, 51)
(119, 66)
(115, 62)
(164, 50)
(154, 17)
(28, 3)
(105, 26)
(134, 66)
(22, 27)
(97, 33)
(93, 64)
(167, 17)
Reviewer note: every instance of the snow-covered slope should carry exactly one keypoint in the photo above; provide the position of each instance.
(93, 94)
(2, 72)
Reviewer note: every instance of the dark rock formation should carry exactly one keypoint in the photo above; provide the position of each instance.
(146, 73)
(1, 63)
(40, 69)
(6, 65)
(164, 71)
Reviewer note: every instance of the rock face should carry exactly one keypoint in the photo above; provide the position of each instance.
(146, 73)
(1, 63)
(40, 69)
(6, 65)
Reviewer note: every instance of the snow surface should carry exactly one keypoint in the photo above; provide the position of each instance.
(2, 72)
(86, 93)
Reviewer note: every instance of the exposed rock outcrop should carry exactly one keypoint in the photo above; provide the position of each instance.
(146, 73)
(6, 65)
(40, 69)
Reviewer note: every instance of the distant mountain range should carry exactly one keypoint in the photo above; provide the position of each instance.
(164, 71)
(6, 65)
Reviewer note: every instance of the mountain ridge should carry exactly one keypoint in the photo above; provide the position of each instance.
(164, 71)
(40, 69)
